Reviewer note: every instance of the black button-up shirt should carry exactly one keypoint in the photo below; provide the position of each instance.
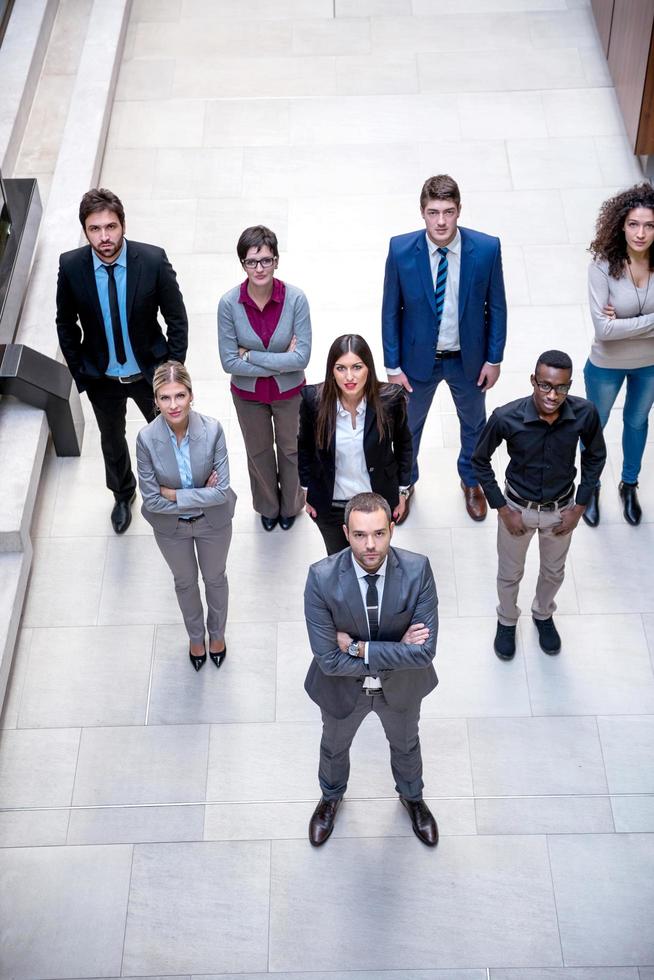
(542, 456)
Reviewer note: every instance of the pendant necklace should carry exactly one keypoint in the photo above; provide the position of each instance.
(641, 306)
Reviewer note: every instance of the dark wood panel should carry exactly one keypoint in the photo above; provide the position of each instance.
(645, 141)
(603, 13)
(629, 48)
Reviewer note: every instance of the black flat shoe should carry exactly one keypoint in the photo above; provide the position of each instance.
(198, 662)
(121, 515)
(286, 523)
(591, 515)
(269, 523)
(218, 657)
(630, 506)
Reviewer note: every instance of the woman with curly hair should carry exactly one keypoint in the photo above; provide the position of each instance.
(621, 292)
(354, 437)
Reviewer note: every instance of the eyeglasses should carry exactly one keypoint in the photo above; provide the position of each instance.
(253, 263)
(546, 387)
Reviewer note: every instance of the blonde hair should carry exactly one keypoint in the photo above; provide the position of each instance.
(168, 372)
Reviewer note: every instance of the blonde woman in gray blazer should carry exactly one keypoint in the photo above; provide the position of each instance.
(183, 476)
(264, 338)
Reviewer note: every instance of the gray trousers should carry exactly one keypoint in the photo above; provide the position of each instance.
(193, 544)
(401, 729)
(512, 552)
(270, 436)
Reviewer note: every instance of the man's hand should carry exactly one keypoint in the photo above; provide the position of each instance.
(311, 511)
(168, 494)
(417, 633)
(512, 520)
(569, 519)
(343, 640)
(399, 510)
(399, 379)
(488, 376)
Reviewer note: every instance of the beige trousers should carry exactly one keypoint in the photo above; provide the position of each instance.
(512, 552)
(270, 436)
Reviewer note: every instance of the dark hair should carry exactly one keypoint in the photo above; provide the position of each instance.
(256, 237)
(440, 188)
(348, 343)
(555, 359)
(367, 503)
(100, 199)
(609, 242)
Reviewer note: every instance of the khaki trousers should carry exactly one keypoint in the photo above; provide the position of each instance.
(512, 552)
(270, 436)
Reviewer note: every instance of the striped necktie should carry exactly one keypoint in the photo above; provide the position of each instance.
(372, 605)
(441, 282)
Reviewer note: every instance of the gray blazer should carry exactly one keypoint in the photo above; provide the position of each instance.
(234, 331)
(157, 466)
(332, 601)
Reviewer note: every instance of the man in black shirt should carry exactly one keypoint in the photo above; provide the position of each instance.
(541, 433)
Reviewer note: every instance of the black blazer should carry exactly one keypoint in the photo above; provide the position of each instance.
(389, 460)
(151, 286)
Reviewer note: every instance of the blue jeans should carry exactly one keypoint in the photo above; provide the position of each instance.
(470, 403)
(602, 387)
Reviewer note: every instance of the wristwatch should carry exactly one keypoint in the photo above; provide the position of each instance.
(353, 648)
(405, 492)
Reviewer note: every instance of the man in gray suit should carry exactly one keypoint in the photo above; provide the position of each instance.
(371, 613)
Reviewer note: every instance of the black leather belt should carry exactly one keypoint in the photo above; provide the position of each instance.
(545, 505)
(446, 355)
(371, 691)
(127, 380)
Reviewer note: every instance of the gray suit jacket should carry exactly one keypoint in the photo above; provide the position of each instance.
(157, 466)
(332, 601)
(234, 331)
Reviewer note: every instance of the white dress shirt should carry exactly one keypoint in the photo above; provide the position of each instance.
(372, 682)
(351, 470)
(448, 332)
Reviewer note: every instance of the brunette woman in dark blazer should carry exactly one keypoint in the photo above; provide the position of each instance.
(354, 437)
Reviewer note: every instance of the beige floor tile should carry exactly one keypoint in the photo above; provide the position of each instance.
(553, 163)
(142, 78)
(341, 36)
(501, 70)
(236, 77)
(501, 115)
(242, 122)
(175, 123)
(376, 75)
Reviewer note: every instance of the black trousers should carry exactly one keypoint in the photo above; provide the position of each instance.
(330, 526)
(109, 402)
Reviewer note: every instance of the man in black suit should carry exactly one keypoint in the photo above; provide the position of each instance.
(371, 613)
(108, 295)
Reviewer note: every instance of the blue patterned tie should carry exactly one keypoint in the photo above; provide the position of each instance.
(441, 282)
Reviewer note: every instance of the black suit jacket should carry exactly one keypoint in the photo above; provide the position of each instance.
(151, 286)
(389, 460)
(332, 601)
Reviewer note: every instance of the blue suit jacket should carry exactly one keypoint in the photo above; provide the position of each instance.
(409, 306)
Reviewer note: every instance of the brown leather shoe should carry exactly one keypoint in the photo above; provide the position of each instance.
(475, 502)
(424, 826)
(406, 508)
(322, 821)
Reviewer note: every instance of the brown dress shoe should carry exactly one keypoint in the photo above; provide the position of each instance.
(322, 821)
(406, 508)
(475, 502)
(424, 826)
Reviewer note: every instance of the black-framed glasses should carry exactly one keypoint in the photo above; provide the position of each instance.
(253, 263)
(546, 387)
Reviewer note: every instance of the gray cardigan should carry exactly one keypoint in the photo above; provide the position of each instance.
(234, 331)
(627, 340)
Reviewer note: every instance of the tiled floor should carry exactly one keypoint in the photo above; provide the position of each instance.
(154, 820)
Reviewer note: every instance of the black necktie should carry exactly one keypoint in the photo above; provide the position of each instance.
(372, 605)
(114, 309)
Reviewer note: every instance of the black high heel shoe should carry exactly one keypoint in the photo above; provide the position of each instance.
(198, 662)
(218, 657)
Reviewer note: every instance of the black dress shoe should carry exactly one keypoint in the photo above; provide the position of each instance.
(504, 644)
(407, 506)
(121, 515)
(548, 635)
(269, 523)
(630, 506)
(322, 821)
(424, 826)
(591, 515)
(198, 662)
(286, 523)
(218, 657)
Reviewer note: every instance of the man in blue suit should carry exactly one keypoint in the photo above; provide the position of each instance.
(444, 319)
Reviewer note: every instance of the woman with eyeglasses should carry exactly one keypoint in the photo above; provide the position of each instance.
(183, 476)
(621, 296)
(264, 338)
(354, 437)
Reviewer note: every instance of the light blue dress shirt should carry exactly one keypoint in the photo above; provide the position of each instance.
(130, 366)
(182, 452)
